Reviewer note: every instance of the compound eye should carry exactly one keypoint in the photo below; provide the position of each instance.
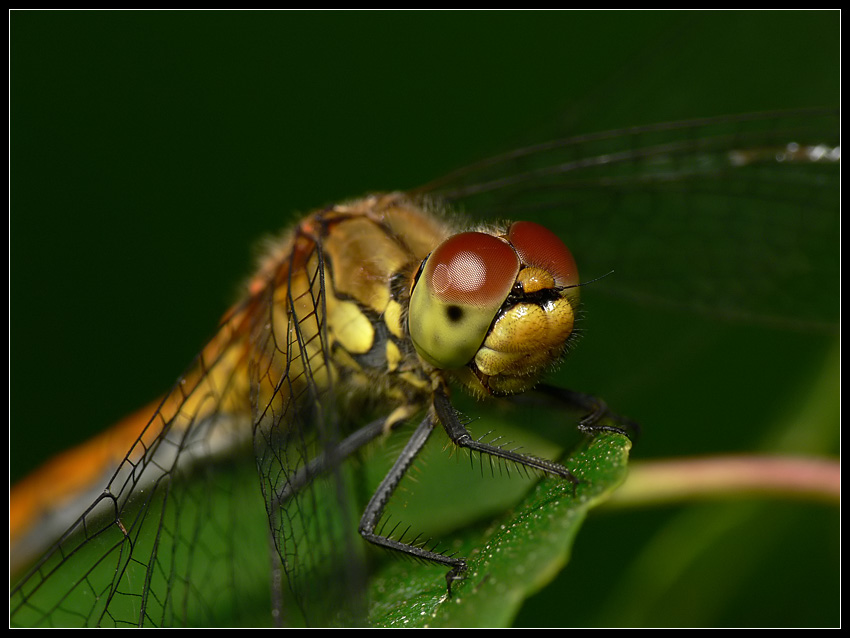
(538, 246)
(462, 286)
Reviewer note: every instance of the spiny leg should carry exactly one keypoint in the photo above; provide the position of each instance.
(457, 432)
(461, 437)
(594, 408)
(330, 458)
(375, 508)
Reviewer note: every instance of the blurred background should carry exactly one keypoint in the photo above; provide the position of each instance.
(150, 151)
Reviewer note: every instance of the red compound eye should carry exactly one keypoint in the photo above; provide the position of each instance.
(540, 247)
(472, 269)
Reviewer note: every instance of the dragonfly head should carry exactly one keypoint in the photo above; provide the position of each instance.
(496, 310)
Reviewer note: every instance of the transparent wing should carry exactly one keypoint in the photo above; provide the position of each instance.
(311, 512)
(736, 216)
(170, 533)
(180, 535)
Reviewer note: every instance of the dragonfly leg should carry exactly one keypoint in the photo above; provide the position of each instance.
(595, 410)
(461, 437)
(331, 458)
(375, 508)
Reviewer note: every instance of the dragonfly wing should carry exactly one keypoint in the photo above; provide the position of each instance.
(312, 514)
(735, 217)
(164, 541)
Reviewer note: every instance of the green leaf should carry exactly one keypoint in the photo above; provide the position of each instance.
(510, 558)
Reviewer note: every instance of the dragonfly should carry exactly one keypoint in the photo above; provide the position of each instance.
(341, 337)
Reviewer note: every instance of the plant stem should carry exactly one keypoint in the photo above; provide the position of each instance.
(667, 481)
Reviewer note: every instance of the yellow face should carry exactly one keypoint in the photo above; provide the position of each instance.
(495, 309)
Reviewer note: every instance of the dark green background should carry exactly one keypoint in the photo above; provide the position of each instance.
(151, 150)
